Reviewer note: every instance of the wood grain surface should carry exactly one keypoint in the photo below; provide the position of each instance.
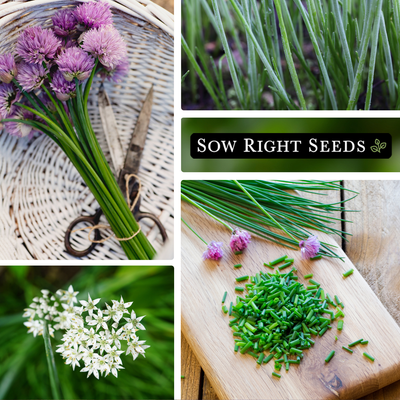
(350, 376)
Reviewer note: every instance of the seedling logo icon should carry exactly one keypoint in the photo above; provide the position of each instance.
(379, 146)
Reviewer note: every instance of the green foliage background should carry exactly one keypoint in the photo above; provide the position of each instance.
(23, 368)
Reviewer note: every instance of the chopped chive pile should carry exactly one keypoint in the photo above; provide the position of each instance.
(278, 314)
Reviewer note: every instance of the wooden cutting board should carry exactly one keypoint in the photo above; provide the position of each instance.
(237, 376)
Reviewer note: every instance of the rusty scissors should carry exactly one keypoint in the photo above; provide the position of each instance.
(122, 168)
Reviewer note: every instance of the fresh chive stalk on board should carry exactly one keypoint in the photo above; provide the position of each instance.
(290, 216)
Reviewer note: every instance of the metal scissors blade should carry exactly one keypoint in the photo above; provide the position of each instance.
(138, 140)
(111, 131)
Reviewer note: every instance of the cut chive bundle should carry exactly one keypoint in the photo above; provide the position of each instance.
(237, 266)
(369, 357)
(330, 356)
(348, 273)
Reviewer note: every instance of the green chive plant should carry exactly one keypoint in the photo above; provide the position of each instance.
(269, 209)
(291, 54)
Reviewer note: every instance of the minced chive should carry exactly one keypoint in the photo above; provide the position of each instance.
(268, 358)
(369, 357)
(278, 260)
(319, 256)
(275, 374)
(337, 300)
(347, 349)
(238, 252)
(224, 297)
(269, 266)
(308, 276)
(336, 338)
(224, 309)
(288, 264)
(182, 376)
(236, 347)
(340, 325)
(329, 358)
(239, 289)
(348, 273)
(237, 266)
(242, 278)
(287, 365)
(364, 342)
(230, 308)
(260, 359)
(356, 342)
(314, 282)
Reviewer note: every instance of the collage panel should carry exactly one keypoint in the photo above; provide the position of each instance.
(296, 289)
(87, 140)
(290, 55)
(87, 332)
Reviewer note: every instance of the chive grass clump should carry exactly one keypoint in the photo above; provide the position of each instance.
(280, 316)
(291, 54)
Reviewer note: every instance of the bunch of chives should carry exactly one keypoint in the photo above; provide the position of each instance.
(292, 216)
(264, 46)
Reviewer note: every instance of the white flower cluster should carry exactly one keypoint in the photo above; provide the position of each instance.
(96, 338)
(58, 309)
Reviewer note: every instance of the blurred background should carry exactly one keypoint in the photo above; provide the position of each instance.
(23, 365)
(290, 125)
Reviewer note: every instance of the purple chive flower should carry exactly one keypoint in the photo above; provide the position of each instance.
(93, 15)
(31, 76)
(239, 240)
(64, 22)
(37, 45)
(107, 44)
(9, 95)
(8, 68)
(75, 63)
(63, 89)
(116, 74)
(309, 247)
(214, 251)
(20, 129)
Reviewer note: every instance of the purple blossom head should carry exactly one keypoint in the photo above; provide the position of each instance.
(239, 240)
(64, 22)
(20, 129)
(107, 44)
(309, 247)
(116, 74)
(75, 63)
(214, 251)
(63, 89)
(31, 76)
(9, 95)
(93, 15)
(8, 68)
(37, 45)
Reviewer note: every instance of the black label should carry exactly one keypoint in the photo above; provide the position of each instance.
(291, 145)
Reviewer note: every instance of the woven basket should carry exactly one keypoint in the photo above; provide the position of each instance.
(40, 190)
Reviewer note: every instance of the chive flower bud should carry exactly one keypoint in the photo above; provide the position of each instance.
(214, 251)
(309, 247)
(239, 240)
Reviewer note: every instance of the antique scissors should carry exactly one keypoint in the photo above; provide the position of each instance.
(121, 169)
